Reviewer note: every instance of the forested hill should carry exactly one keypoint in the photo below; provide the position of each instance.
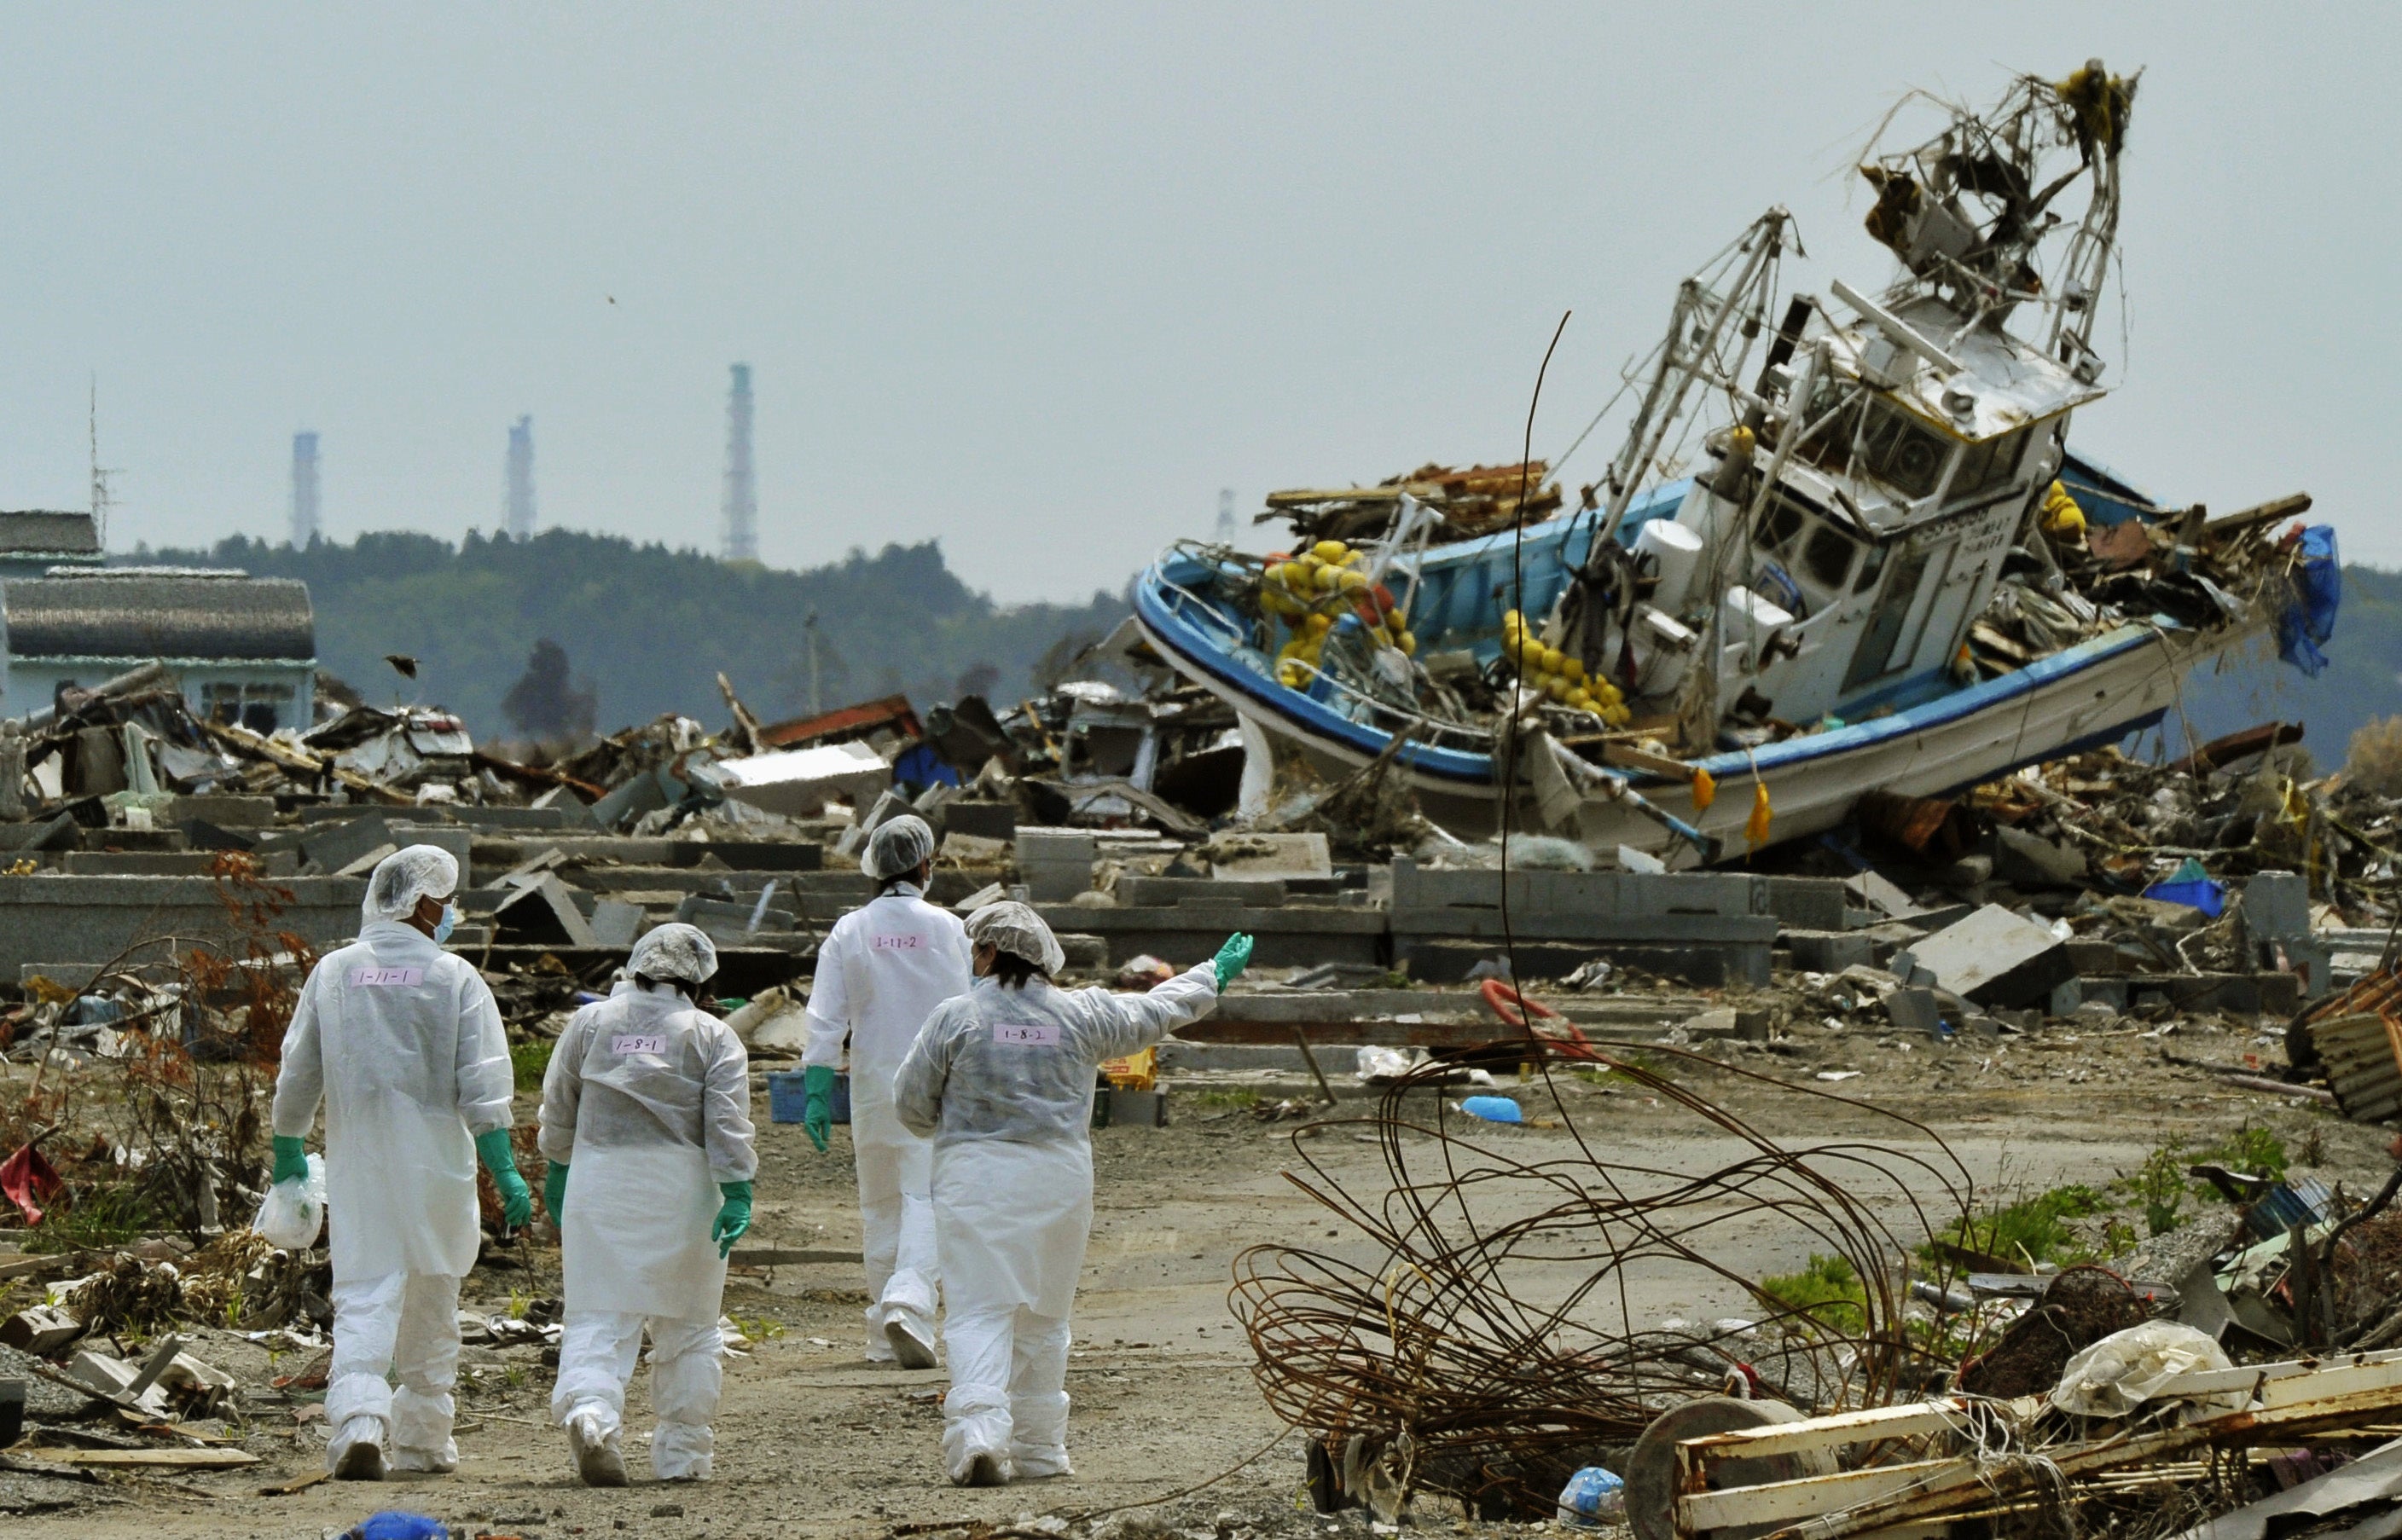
(2362, 681)
(645, 629)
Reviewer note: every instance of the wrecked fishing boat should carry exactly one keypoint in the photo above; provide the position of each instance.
(1884, 568)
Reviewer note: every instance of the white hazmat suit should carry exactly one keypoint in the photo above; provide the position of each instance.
(882, 970)
(647, 1104)
(402, 1045)
(1001, 1080)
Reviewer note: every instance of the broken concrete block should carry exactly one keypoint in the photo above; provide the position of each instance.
(40, 1330)
(2029, 861)
(1631, 859)
(1911, 1009)
(616, 923)
(336, 846)
(1829, 951)
(1874, 892)
(368, 861)
(2277, 905)
(1057, 863)
(964, 850)
(1147, 892)
(1746, 1024)
(1257, 856)
(1803, 903)
(985, 820)
(543, 913)
(1996, 958)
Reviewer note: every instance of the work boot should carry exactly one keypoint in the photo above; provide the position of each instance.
(913, 1345)
(361, 1455)
(598, 1460)
(985, 1470)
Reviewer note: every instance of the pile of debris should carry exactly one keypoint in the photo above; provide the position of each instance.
(1466, 505)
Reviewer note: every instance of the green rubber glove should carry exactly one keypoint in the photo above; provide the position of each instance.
(517, 1200)
(554, 1192)
(733, 1215)
(291, 1160)
(1233, 958)
(816, 1111)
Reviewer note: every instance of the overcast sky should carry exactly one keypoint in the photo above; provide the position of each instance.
(1040, 280)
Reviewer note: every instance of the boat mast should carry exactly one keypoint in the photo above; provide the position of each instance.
(1696, 327)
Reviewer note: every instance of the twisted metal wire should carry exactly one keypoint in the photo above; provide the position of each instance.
(1499, 1340)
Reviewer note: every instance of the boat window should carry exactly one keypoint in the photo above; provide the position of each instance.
(1987, 465)
(1777, 526)
(1894, 447)
(1828, 557)
(1868, 571)
(1901, 452)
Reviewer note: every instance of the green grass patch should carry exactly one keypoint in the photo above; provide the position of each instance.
(1239, 1098)
(2159, 1186)
(2034, 1230)
(2252, 1151)
(529, 1060)
(96, 1220)
(1828, 1292)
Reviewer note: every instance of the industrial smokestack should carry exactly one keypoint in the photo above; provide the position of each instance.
(304, 489)
(741, 489)
(521, 480)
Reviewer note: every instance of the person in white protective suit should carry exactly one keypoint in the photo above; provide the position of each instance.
(880, 973)
(402, 1045)
(646, 1127)
(1001, 1080)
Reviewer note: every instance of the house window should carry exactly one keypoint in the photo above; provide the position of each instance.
(260, 708)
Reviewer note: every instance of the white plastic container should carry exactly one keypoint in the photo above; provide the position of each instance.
(1678, 552)
(1662, 647)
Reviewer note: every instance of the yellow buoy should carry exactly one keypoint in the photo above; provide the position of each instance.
(1705, 792)
(1754, 828)
(1329, 550)
(1407, 643)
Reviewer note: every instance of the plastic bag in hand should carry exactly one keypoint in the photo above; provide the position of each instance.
(295, 1212)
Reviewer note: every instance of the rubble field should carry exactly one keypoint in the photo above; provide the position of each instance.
(814, 1440)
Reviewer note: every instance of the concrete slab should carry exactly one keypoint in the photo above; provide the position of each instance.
(52, 917)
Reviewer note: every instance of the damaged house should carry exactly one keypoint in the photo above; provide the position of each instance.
(243, 648)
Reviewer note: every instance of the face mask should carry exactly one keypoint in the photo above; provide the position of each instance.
(449, 923)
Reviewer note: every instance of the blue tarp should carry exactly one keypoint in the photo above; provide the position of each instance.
(919, 767)
(2309, 621)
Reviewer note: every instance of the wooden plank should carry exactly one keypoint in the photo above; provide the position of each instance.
(1907, 1419)
(182, 1459)
(297, 1483)
(1627, 757)
(1698, 1512)
(2289, 1396)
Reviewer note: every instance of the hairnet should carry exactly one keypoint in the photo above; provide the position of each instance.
(1019, 931)
(675, 952)
(404, 876)
(897, 848)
